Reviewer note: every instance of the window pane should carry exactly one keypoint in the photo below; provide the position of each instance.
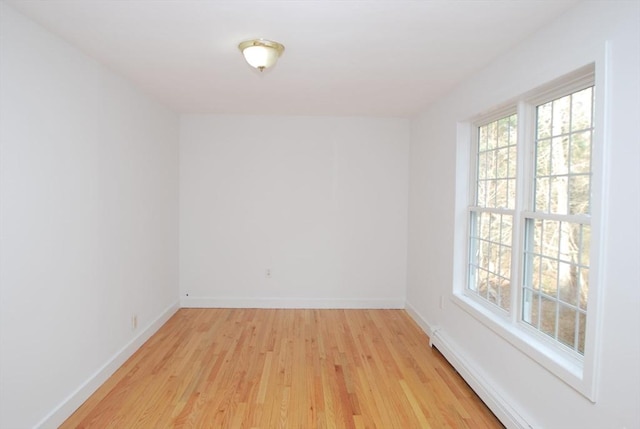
(492, 288)
(502, 194)
(504, 131)
(581, 109)
(482, 165)
(581, 153)
(504, 300)
(505, 262)
(513, 161)
(544, 121)
(579, 189)
(549, 276)
(543, 158)
(568, 282)
(569, 241)
(481, 193)
(548, 309)
(482, 139)
(584, 287)
(491, 194)
(503, 162)
(492, 134)
(537, 236)
(483, 287)
(559, 195)
(506, 233)
(582, 328)
(494, 229)
(560, 156)
(561, 113)
(567, 326)
(490, 167)
(542, 195)
(550, 238)
(511, 197)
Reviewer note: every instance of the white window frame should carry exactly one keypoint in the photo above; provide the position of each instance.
(578, 371)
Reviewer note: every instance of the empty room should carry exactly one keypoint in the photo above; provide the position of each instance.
(320, 214)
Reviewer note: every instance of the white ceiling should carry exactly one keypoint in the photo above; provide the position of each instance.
(367, 57)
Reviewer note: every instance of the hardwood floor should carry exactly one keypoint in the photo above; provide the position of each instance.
(251, 368)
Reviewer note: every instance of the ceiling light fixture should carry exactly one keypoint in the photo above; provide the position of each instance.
(260, 53)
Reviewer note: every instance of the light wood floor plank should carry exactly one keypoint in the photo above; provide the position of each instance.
(255, 368)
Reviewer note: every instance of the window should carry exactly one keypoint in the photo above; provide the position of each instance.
(531, 239)
(491, 215)
(557, 231)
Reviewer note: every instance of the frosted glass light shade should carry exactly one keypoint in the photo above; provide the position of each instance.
(260, 53)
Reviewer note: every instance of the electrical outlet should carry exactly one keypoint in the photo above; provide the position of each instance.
(267, 273)
(134, 322)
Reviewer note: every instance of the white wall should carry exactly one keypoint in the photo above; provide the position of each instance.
(88, 218)
(541, 399)
(322, 202)
(89, 228)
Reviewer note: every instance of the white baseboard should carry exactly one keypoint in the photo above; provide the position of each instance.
(193, 302)
(489, 393)
(69, 405)
(421, 321)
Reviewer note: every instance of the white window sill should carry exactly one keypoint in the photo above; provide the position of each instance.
(568, 368)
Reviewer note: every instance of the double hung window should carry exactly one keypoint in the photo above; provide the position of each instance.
(529, 241)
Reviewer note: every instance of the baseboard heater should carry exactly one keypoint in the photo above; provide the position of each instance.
(496, 402)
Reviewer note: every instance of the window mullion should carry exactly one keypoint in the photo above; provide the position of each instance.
(524, 192)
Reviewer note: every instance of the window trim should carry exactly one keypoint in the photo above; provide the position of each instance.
(579, 372)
